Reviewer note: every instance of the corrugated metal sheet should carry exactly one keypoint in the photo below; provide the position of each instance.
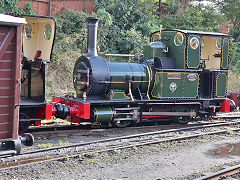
(52, 7)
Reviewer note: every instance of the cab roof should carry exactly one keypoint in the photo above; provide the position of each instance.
(199, 32)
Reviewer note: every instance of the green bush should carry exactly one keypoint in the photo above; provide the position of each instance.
(235, 56)
(198, 18)
(10, 6)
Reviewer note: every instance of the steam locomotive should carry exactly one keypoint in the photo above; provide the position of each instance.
(181, 75)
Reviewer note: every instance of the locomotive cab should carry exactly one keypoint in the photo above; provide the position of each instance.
(194, 49)
(204, 54)
(38, 38)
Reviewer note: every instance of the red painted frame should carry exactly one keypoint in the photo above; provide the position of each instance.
(76, 109)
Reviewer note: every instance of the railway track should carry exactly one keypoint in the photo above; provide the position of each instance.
(110, 144)
(59, 130)
(224, 174)
(69, 130)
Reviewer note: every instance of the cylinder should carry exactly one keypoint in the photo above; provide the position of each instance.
(102, 114)
(92, 36)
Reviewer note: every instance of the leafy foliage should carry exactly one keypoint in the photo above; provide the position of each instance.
(10, 6)
(130, 24)
(189, 17)
(125, 26)
(235, 56)
(231, 10)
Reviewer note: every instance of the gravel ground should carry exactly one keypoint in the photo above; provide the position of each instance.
(177, 160)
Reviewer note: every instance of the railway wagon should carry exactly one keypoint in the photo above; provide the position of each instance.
(182, 75)
(10, 65)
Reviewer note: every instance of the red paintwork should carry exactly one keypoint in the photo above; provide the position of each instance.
(49, 111)
(39, 114)
(76, 119)
(225, 106)
(44, 113)
(37, 55)
(77, 110)
(37, 123)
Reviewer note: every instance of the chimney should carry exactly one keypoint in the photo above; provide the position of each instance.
(92, 37)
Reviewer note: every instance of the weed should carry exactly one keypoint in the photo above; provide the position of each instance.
(229, 131)
(92, 161)
(61, 143)
(91, 155)
(134, 148)
(48, 145)
(117, 151)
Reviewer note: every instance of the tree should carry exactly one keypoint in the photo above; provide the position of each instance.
(10, 6)
(189, 17)
(231, 10)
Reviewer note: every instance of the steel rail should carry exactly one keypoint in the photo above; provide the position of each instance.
(77, 127)
(129, 137)
(58, 130)
(225, 172)
(10, 165)
(136, 143)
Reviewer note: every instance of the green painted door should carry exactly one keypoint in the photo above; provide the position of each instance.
(221, 84)
(193, 52)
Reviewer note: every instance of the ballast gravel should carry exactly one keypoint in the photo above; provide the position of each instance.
(186, 159)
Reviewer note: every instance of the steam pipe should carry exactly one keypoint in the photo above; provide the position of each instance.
(92, 36)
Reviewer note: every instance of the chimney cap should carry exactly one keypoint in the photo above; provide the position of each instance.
(92, 19)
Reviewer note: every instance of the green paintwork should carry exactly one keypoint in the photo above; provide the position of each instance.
(186, 85)
(221, 84)
(225, 53)
(119, 71)
(148, 52)
(103, 114)
(158, 52)
(193, 55)
(116, 95)
(175, 51)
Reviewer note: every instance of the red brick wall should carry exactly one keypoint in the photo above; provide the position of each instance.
(52, 7)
